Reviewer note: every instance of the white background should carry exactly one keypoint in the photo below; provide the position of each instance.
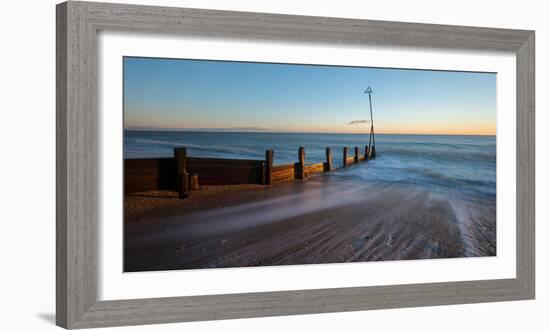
(27, 165)
(117, 285)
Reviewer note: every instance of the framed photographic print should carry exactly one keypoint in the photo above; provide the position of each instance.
(215, 164)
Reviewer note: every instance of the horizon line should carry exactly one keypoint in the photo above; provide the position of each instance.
(229, 130)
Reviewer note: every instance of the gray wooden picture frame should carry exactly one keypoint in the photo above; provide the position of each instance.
(78, 24)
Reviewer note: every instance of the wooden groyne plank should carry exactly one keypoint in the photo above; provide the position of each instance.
(282, 173)
(217, 171)
(149, 174)
(278, 168)
(176, 173)
(314, 168)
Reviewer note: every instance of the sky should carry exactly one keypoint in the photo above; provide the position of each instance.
(179, 94)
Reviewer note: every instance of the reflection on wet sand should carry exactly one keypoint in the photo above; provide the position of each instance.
(327, 219)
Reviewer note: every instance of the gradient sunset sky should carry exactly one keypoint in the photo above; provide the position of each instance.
(241, 96)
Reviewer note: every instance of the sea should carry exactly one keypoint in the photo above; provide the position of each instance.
(439, 162)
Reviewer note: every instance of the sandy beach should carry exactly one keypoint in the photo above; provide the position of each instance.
(326, 219)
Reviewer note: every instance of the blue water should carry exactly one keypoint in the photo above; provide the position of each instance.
(462, 163)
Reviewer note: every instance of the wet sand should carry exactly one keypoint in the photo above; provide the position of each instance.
(323, 220)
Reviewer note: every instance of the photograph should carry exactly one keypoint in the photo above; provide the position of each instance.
(252, 164)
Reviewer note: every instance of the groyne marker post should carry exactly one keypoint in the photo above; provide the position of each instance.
(366, 152)
(371, 135)
(180, 154)
(301, 163)
(345, 152)
(268, 178)
(328, 164)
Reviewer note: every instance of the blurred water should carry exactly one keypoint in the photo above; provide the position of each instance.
(463, 163)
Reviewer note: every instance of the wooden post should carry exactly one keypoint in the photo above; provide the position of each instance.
(301, 163)
(180, 154)
(373, 152)
(345, 157)
(366, 152)
(328, 164)
(356, 157)
(268, 167)
(193, 181)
